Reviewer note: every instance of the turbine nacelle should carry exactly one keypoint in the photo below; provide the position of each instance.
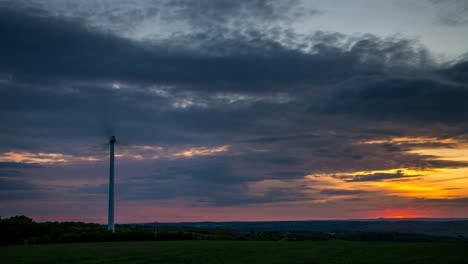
(112, 140)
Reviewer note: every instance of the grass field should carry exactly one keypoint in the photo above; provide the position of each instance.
(239, 252)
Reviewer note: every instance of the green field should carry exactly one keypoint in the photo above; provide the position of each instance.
(239, 252)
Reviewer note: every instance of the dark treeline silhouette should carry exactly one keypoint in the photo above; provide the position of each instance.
(23, 230)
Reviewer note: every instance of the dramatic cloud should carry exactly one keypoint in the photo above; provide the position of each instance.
(222, 115)
(18, 165)
(238, 59)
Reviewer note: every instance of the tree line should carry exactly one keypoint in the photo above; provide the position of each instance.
(23, 230)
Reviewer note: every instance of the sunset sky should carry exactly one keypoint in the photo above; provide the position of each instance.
(234, 109)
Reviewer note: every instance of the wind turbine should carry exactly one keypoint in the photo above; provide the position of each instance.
(110, 219)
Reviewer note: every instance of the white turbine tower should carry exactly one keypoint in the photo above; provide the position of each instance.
(110, 222)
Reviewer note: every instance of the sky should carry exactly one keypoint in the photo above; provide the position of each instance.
(234, 110)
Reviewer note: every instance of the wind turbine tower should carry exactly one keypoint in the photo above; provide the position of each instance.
(110, 222)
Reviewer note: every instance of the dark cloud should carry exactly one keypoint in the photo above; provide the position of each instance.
(171, 87)
(274, 159)
(445, 202)
(10, 173)
(415, 100)
(16, 169)
(215, 181)
(389, 132)
(55, 50)
(19, 190)
(273, 195)
(428, 162)
(19, 165)
(274, 139)
(457, 71)
(15, 185)
(338, 192)
(60, 48)
(203, 179)
(285, 175)
(137, 118)
(376, 177)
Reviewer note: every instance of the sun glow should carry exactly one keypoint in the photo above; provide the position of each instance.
(399, 213)
(429, 183)
(460, 153)
(401, 182)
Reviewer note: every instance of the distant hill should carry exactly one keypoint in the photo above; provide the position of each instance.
(434, 227)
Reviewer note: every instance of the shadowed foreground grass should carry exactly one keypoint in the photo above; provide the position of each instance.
(239, 252)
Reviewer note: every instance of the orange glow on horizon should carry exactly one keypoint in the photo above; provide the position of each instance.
(401, 213)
